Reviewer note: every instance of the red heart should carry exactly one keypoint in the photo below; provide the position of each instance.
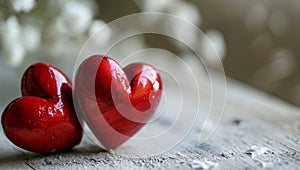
(114, 107)
(44, 119)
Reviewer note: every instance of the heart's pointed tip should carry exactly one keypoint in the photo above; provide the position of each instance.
(115, 142)
(112, 149)
(113, 145)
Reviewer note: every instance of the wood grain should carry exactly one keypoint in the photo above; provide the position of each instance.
(251, 117)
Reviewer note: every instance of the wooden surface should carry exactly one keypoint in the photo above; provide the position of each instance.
(251, 118)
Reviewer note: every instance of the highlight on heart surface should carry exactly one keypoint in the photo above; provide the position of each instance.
(44, 119)
(116, 102)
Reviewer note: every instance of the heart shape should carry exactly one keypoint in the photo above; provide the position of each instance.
(116, 103)
(44, 119)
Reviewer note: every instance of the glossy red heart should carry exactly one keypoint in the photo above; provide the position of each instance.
(116, 103)
(44, 119)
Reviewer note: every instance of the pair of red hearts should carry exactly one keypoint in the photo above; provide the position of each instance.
(115, 104)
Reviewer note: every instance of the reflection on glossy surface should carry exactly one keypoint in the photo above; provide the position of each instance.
(116, 103)
(44, 119)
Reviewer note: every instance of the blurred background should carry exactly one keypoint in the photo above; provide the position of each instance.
(258, 41)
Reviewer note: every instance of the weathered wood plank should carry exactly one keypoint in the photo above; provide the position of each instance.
(251, 118)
